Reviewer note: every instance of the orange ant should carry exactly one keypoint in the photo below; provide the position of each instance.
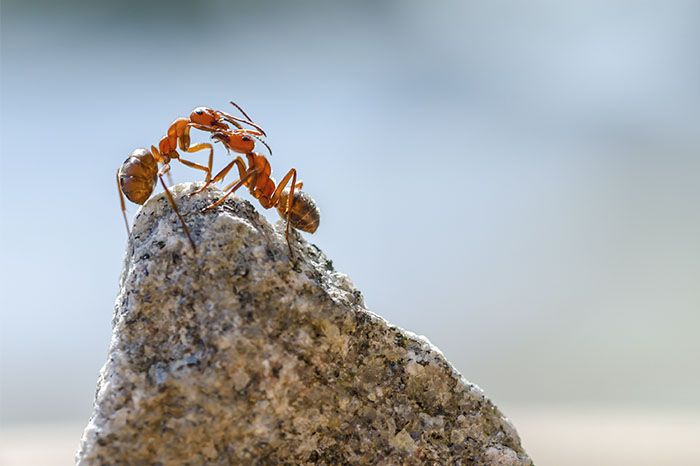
(137, 176)
(298, 208)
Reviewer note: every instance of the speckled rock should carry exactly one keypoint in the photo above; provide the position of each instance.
(237, 355)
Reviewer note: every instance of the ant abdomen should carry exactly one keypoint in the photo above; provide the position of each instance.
(138, 175)
(305, 215)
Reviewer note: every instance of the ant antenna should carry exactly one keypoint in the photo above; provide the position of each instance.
(264, 143)
(241, 120)
(240, 110)
(248, 119)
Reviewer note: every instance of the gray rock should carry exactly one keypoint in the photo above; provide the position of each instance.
(237, 355)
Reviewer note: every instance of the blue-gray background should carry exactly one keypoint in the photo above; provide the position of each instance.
(519, 181)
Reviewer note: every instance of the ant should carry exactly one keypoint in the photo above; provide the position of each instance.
(298, 208)
(137, 176)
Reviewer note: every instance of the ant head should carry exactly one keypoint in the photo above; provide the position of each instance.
(237, 142)
(207, 117)
(241, 143)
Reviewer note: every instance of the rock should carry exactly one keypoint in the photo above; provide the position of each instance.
(237, 355)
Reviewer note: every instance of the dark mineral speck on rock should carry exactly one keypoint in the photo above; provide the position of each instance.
(237, 355)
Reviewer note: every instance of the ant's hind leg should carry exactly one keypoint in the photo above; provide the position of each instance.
(290, 199)
(291, 175)
(121, 201)
(165, 169)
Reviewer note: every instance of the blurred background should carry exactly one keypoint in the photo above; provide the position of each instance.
(518, 181)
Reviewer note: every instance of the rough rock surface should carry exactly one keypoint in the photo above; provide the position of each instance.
(237, 355)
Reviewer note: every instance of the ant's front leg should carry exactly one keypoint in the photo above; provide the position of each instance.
(210, 164)
(240, 164)
(196, 166)
(233, 189)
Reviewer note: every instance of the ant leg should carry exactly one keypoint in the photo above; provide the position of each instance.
(197, 148)
(165, 169)
(210, 165)
(196, 166)
(121, 200)
(235, 187)
(291, 175)
(290, 199)
(240, 164)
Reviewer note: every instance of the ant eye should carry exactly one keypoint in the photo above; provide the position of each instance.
(199, 112)
(245, 138)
